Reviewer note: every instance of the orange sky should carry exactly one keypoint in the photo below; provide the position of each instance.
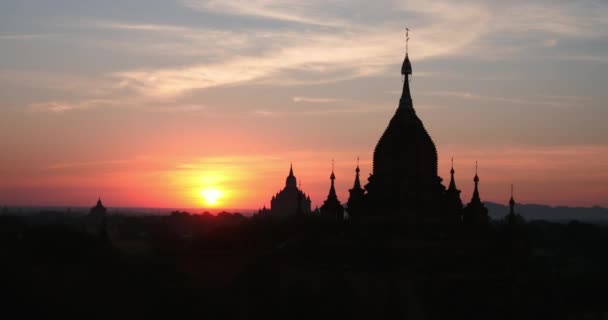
(153, 103)
(540, 175)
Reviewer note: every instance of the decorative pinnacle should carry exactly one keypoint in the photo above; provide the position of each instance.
(333, 176)
(452, 170)
(511, 203)
(476, 179)
(407, 39)
(357, 170)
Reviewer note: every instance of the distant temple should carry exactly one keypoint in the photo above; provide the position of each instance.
(290, 201)
(99, 215)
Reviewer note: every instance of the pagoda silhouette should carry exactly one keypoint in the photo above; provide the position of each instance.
(290, 201)
(404, 186)
(405, 183)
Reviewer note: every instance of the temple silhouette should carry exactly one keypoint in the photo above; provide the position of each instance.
(290, 201)
(404, 186)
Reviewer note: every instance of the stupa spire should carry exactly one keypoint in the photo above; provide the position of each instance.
(476, 197)
(332, 208)
(357, 184)
(452, 180)
(511, 203)
(290, 181)
(406, 72)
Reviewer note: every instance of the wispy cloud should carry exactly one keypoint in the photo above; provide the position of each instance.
(328, 42)
(62, 106)
(552, 101)
(24, 36)
(299, 99)
(291, 11)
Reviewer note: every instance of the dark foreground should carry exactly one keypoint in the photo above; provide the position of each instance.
(231, 267)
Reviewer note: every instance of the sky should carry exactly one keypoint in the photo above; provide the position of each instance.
(149, 103)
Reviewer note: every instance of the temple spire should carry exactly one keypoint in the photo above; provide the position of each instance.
(476, 212)
(476, 197)
(511, 203)
(452, 181)
(290, 181)
(357, 184)
(406, 71)
(332, 189)
(453, 201)
(331, 207)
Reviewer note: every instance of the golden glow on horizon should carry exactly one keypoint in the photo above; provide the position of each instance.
(211, 196)
(209, 184)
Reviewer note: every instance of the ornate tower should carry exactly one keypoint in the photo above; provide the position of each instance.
(404, 179)
(476, 212)
(331, 208)
(355, 204)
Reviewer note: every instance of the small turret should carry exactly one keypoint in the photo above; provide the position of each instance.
(331, 208)
(513, 218)
(356, 198)
(476, 212)
(453, 202)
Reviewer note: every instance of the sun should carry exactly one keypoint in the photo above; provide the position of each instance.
(211, 196)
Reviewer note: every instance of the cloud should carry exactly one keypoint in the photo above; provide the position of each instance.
(24, 36)
(550, 43)
(328, 42)
(62, 106)
(337, 47)
(552, 101)
(315, 100)
(136, 102)
(293, 58)
(291, 11)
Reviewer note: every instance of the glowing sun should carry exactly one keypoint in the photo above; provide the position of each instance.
(211, 196)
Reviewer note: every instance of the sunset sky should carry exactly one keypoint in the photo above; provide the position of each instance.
(160, 103)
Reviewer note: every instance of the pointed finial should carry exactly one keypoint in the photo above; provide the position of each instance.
(452, 170)
(511, 202)
(476, 179)
(357, 170)
(332, 164)
(407, 39)
(333, 176)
